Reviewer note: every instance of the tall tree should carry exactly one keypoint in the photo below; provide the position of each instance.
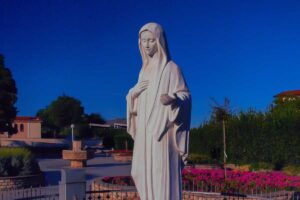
(61, 113)
(8, 98)
(95, 118)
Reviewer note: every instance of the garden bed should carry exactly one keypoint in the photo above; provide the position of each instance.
(238, 181)
(209, 184)
(212, 180)
(122, 155)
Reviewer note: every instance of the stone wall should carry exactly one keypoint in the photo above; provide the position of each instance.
(19, 182)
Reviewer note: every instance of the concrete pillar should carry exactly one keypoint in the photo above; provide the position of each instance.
(72, 185)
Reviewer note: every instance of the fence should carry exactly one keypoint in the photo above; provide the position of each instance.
(206, 192)
(52, 193)
(37, 193)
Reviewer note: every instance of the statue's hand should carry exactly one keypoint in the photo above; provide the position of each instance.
(140, 87)
(165, 99)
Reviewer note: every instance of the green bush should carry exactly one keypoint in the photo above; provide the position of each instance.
(83, 131)
(261, 166)
(292, 170)
(17, 162)
(198, 159)
(117, 139)
(271, 137)
(108, 141)
(123, 141)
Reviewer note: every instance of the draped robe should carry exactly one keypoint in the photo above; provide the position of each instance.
(160, 133)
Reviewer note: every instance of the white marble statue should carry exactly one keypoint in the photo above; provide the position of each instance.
(158, 119)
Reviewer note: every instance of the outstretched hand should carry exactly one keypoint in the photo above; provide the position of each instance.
(165, 99)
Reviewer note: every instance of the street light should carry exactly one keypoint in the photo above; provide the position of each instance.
(72, 127)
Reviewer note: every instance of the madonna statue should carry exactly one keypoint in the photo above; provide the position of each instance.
(158, 119)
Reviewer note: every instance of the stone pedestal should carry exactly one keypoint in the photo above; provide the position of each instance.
(77, 156)
(72, 185)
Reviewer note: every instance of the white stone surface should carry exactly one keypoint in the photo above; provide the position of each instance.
(158, 119)
(72, 185)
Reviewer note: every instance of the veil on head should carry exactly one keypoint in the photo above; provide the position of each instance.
(161, 41)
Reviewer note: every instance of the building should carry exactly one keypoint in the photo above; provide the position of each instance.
(115, 123)
(27, 128)
(118, 123)
(289, 95)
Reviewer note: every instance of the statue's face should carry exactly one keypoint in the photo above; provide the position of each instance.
(148, 43)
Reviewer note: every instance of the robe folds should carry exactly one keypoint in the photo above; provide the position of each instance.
(160, 133)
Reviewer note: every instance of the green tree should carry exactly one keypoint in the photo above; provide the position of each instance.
(8, 98)
(94, 118)
(61, 113)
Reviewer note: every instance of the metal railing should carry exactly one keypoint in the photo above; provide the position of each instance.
(36, 193)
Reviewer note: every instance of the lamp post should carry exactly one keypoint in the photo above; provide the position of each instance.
(72, 127)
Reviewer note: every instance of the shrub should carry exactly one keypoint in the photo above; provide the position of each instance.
(83, 131)
(253, 137)
(108, 141)
(118, 139)
(17, 161)
(123, 141)
(198, 159)
(261, 166)
(292, 170)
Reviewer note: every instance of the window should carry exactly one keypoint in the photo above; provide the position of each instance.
(22, 127)
(16, 127)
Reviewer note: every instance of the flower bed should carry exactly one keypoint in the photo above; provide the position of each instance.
(237, 181)
(212, 180)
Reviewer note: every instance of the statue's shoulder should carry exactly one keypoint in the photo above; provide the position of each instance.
(172, 67)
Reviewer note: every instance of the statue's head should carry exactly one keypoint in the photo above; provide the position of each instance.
(152, 40)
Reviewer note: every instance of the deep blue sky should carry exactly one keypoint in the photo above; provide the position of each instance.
(247, 51)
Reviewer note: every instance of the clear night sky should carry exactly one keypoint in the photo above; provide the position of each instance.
(247, 51)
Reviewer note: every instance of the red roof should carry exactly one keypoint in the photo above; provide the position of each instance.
(25, 118)
(289, 93)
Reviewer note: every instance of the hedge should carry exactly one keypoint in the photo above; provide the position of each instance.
(271, 137)
(17, 162)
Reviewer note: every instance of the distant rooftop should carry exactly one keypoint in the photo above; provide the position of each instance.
(288, 93)
(27, 118)
(116, 121)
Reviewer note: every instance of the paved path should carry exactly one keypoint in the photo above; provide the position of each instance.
(97, 167)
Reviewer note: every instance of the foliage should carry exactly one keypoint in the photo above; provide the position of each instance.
(253, 137)
(82, 131)
(108, 141)
(292, 170)
(64, 111)
(118, 139)
(221, 113)
(17, 162)
(95, 118)
(61, 113)
(261, 166)
(8, 98)
(195, 158)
